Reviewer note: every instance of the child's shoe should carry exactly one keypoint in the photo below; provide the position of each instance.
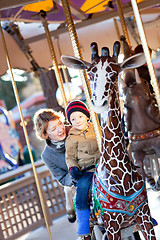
(83, 222)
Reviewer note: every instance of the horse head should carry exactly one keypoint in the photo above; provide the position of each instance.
(137, 94)
(134, 87)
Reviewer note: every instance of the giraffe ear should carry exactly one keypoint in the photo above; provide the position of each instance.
(74, 62)
(134, 61)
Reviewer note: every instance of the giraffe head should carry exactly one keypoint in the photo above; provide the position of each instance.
(103, 72)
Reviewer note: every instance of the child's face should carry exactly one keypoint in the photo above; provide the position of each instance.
(79, 120)
(56, 130)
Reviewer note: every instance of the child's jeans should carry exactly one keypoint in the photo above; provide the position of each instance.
(83, 186)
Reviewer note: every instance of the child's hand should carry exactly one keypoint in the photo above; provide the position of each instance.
(75, 173)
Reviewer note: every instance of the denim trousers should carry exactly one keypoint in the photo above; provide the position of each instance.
(83, 186)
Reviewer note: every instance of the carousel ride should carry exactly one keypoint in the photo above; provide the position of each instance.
(107, 182)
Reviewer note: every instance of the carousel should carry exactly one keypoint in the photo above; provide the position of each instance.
(122, 96)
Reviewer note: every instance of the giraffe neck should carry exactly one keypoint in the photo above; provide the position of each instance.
(112, 134)
(115, 168)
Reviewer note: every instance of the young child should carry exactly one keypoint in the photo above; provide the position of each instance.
(81, 156)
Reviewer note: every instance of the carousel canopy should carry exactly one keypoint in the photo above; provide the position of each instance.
(27, 10)
(93, 21)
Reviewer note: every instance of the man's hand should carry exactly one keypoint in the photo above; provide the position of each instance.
(75, 173)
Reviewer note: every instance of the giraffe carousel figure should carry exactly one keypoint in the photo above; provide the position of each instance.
(118, 189)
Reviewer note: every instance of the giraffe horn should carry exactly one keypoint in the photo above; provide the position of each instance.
(105, 52)
(121, 81)
(94, 50)
(116, 49)
(138, 79)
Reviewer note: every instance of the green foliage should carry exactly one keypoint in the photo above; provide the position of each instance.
(7, 93)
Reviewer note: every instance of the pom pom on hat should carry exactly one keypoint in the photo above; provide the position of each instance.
(76, 106)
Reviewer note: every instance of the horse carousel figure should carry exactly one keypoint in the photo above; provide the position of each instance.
(119, 193)
(141, 114)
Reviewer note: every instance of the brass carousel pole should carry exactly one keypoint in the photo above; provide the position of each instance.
(85, 82)
(123, 23)
(54, 59)
(25, 133)
(146, 51)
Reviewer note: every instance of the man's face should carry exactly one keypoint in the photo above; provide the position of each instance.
(56, 130)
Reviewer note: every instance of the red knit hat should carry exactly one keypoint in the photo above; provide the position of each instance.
(76, 106)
